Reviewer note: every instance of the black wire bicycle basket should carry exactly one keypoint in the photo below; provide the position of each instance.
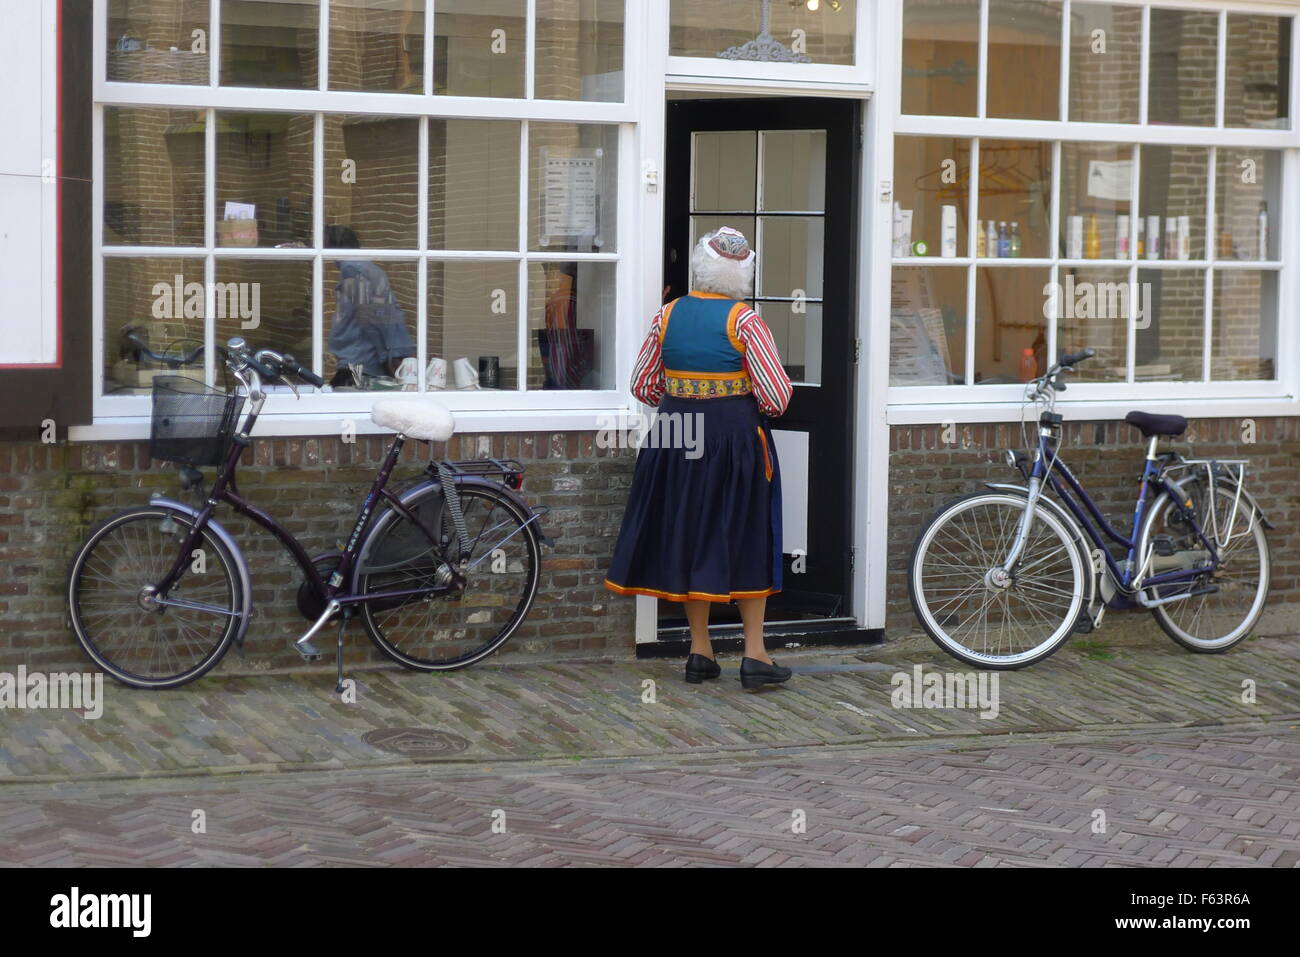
(192, 422)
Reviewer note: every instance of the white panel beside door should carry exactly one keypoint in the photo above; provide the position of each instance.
(792, 457)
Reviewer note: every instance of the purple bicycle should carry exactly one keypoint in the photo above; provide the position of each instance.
(1001, 578)
(441, 572)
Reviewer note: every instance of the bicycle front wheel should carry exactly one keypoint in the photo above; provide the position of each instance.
(441, 631)
(143, 639)
(969, 608)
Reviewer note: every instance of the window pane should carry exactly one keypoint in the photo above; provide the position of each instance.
(573, 186)
(794, 170)
(377, 45)
(163, 299)
(781, 32)
(1258, 76)
(372, 178)
(268, 302)
(153, 177)
(271, 43)
(1015, 197)
(1245, 325)
(1248, 190)
(165, 41)
(480, 47)
(726, 171)
(473, 315)
(1105, 63)
(1096, 193)
(931, 174)
(1092, 309)
(1170, 325)
(1024, 59)
(264, 179)
(927, 325)
(1183, 67)
(571, 310)
(1010, 328)
(369, 310)
(941, 57)
(579, 50)
(1173, 190)
(473, 184)
(797, 331)
(790, 250)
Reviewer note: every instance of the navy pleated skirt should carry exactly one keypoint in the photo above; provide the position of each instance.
(702, 524)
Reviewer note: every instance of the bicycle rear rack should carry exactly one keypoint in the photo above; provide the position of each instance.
(1234, 470)
(510, 471)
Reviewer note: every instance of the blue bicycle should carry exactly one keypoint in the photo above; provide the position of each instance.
(1001, 578)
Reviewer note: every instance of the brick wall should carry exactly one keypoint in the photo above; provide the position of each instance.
(51, 495)
(925, 472)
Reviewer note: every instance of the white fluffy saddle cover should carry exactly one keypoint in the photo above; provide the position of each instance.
(425, 419)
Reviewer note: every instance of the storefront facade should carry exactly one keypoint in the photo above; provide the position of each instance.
(941, 194)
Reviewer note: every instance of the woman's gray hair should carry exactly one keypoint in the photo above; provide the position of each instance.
(725, 274)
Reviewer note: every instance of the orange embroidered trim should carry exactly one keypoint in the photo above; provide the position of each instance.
(767, 457)
(732, 318)
(663, 321)
(706, 385)
(690, 595)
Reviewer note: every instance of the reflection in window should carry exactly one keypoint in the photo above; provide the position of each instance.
(153, 176)
(1105, 63)
(1024, 76)
(474, 317)
(270, 43)
(377, 45)
(573, 185)
(473, 184)
(941, 57)
(1245, 326)
(579, 53)
(268, 302)
(794, 168)
(927, 326)
(571, 312)
(1092, 310)
(1171, 328)
(797, 331)
(1010, 326)
(764, 30)
(163, 301)
(1248, 189)
(1183, 67)
(1258, 72)
(373, 184)
(1173, 190)
(933, 173)
(164, 41)
(264, 178)
(370, 321)
(725, 176)
(480, 47)
(1096, 201)
(1015, 196)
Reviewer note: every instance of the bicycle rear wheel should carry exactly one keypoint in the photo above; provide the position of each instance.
(960, 602)
(443, 632)
(120, 622)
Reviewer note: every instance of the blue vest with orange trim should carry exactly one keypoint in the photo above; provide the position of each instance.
(703, 357)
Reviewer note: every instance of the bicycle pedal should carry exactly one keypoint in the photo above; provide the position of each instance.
(308, 651)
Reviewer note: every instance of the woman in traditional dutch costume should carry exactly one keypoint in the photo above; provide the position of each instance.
(703, 518)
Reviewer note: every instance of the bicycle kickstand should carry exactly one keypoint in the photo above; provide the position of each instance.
(343, 624)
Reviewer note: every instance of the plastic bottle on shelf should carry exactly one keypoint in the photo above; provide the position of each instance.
(992, 243)
(981, 240)
(1092, 246)
(1013, 243)
(1028, 365)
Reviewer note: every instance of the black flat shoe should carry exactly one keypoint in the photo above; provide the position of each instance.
(700, 669)
(754, 674)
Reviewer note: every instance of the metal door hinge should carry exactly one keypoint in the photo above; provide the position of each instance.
(857, 350)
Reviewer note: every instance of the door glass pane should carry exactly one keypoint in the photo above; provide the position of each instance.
(264, 178)
(1096, 201)
(1183, 67)
(1010, 328)
(165, 41)
(794, 170)
(941, 57)
(789, 253)
(1248, 189)
(1175, 181)
(579, 52)
(1015, 197)
(473, 315)
(473, 184)
(571, 310)
(779, 31)
(1092, 309)
(372, 166)
(162, 299)
(1105, 63)
(573, 187)
(377, 45)
(153, 176)
(1245, 325)
(725, 173)
(480, 47)
(268, 302)
(369, 310)
(931, 181)
(1024, 78)
(797, 330)
(270, 43)
(1258, 72)
(1171, 325)
(927, 325)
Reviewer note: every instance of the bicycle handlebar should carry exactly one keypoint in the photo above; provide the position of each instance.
(267, 363)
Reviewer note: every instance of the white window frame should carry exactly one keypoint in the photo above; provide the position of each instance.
(996, 403)
(127, 417)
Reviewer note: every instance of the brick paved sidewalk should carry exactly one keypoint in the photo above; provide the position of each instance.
(492, 714)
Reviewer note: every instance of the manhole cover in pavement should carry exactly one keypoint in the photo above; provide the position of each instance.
(415, 742)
